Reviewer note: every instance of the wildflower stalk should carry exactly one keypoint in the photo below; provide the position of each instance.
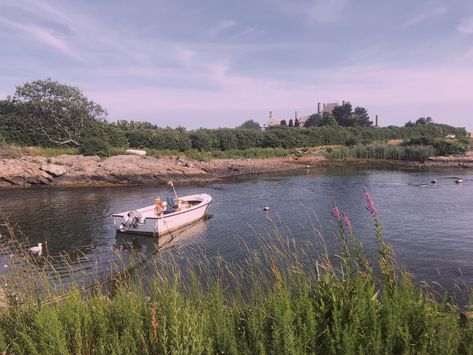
(386, 259)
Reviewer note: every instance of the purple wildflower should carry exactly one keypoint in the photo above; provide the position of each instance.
(370, 204)
(335, 212)
(347, 222)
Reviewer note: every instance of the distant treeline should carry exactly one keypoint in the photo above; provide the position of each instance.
(47, 113)
(278, 137)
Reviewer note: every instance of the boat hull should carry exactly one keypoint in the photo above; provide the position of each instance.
(153, 225)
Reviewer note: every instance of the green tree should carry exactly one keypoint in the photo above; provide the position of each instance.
(361, 117)
(250, 124)
(424, 121)
(343, 114)
(328, 120)
(314, 120)
(201, 140)
(57, 112)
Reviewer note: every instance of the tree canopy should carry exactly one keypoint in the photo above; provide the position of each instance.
(250, 124)
(58, 113)
(347, 117)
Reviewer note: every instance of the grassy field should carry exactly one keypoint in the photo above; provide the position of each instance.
(283, 299)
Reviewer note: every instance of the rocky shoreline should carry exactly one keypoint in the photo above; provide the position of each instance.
(78, 170)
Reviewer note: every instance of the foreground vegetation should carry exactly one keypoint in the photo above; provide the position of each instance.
(285, 299)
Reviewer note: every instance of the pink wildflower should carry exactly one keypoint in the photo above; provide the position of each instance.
(370, 204)
(336, 212)
(347, 222)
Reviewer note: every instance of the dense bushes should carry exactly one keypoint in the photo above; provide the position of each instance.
(146, 135)
(95, 146)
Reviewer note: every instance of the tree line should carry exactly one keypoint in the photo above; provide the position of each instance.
(49, 113)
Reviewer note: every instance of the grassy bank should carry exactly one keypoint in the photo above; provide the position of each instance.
(284, 299)
(12, 151)
(383, 151)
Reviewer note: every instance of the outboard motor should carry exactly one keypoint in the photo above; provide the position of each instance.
(133, 218)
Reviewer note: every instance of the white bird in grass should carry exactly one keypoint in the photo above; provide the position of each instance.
(37, 250)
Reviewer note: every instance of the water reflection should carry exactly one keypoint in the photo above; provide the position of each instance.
(428, 224)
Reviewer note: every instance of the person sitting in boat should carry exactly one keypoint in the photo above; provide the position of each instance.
(171, 205)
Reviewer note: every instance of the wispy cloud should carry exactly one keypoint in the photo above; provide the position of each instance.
(466, 26)
(41, 34)
(222, 27)
(424, 16)
(326, 11)
(319, 11)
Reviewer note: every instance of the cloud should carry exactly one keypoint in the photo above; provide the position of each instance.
(466, 26)
(43, 35)
(326, 11)
(222, 27)
(319, 11)
(394, 93)
(424, 16)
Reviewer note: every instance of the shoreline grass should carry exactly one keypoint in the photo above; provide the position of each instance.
(284, 298)
(384, 152)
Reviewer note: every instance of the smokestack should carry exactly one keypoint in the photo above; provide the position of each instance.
(318, 108)
(324, 106)
(295, 115)
(270, 114)
(376, 122)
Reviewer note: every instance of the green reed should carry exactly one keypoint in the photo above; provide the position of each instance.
(250, 153)
(284, 298)
(383, 151)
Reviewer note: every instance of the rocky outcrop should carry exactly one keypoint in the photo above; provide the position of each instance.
(54, 170)
(69, 170)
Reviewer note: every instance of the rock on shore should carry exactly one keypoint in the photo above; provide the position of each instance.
(70, 170)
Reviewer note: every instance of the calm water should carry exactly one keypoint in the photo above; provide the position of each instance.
(430, 226)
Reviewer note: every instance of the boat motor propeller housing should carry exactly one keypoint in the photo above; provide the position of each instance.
(133, 218)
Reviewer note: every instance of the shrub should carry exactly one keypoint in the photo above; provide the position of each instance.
(94, 146)
(445, 148)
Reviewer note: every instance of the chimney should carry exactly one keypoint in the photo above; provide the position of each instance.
(270, 114)
(295, 115)
(376, 122)
(318, 108)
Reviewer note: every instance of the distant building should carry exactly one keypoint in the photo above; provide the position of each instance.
(271, 122)
(303, 119)
(321, 108)
(329, 107)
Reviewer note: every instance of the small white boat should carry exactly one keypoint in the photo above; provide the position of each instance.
(145, 220)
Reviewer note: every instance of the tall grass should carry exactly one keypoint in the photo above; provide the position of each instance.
(250, 153)
(13, 151)
(383, 151)
(283, 299)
